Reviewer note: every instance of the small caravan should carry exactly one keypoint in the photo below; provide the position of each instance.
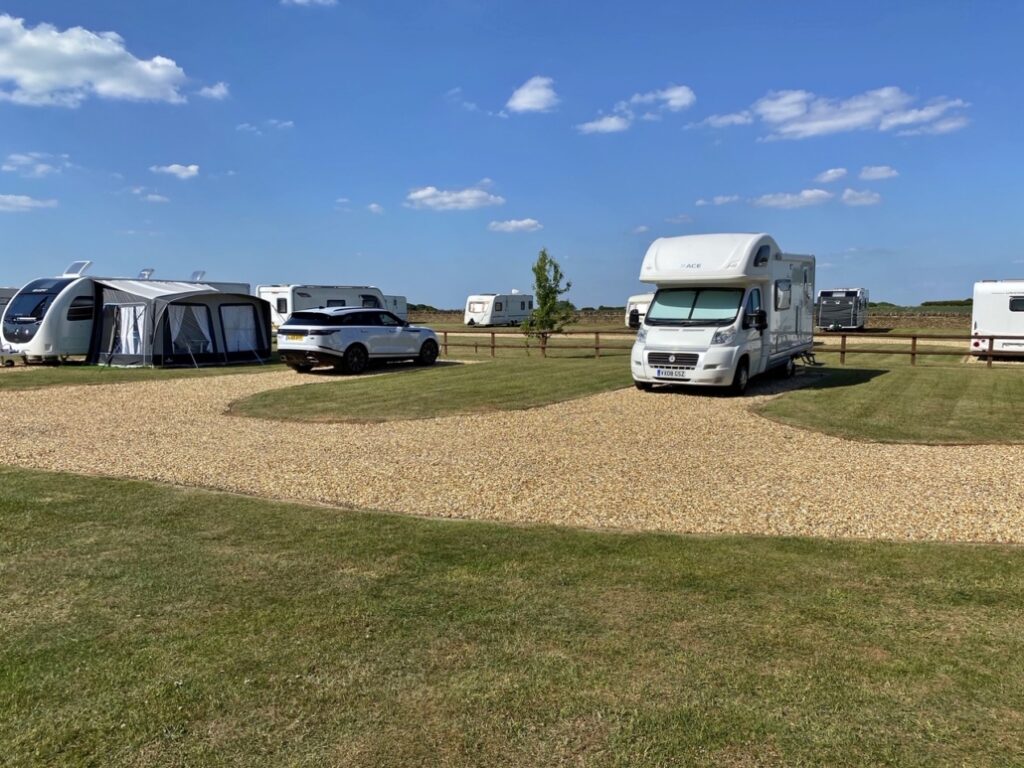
(727, 307)
(397, 305)
(498, 308)
(640, 302)
(285, 299)
(843, 309)
(53, 318)
(998, 309)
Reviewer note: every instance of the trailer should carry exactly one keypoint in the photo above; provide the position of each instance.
(843, 309)
(998, 309)
(52, 318)
(640, 302)
(397, 305)
(485, 309)
(727, 308)
(287, 298)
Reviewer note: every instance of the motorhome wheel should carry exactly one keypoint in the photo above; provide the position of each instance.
(741, 379)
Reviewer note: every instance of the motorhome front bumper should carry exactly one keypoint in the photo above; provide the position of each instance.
(711, 367)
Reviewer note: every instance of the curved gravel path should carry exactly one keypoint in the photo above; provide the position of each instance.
(623, 459)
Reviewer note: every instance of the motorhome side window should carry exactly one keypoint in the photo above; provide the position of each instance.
(1017, 304)
(783, 294)
(522, 305)
(82, 308)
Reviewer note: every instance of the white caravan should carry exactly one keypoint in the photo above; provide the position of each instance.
(51, 319)
(998, 309)
(843, 309)
(285, 299)
(397, 305)
(498, 308)
(728, 307)
(640, 302)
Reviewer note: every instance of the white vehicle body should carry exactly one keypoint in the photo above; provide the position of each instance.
(397, 305)
(842, 309)
(998, 310)
(285, 299)
(640, 302)
(498, 308)
(52, 318)
(344, 335)
(728, 307)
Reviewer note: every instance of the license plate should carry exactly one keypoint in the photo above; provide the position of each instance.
(294, 337)
(670, 373)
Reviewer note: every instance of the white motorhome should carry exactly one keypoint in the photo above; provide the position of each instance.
(51, 319)
(843, 309)
(285, 299)
(397, 305)
(998, 308)
(727, 307)
(498, 308)
(640, 302)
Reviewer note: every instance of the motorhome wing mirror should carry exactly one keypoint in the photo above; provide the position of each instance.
(634, 318)
(760, 319)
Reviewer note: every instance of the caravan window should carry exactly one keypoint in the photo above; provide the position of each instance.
(530, 303)
(695, 306)
(282, 306)
(497, 306)
(370, 302)
(1017, 304)
(477, 306)
(783, 294)
(337, 303)
(82, 308)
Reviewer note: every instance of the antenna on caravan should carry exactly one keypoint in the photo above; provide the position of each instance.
(77, 268)
(145, 274)
(198, 275)
(515, 291)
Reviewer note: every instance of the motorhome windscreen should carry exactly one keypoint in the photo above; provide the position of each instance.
(477, 306)
(694, 306)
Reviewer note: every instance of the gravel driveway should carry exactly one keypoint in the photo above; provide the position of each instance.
(624, 459)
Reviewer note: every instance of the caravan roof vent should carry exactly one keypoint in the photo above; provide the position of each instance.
(145, 274)
(515, 291)
(77, 269)
(198, 275)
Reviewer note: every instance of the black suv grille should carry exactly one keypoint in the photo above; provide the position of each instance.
(673, 359)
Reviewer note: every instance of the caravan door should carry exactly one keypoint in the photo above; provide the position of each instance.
(754, 341)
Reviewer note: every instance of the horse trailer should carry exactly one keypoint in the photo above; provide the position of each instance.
(843, 309)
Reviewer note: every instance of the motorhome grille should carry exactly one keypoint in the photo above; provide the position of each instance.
(673, 359)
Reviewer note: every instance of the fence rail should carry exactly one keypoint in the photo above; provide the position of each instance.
(988, 351)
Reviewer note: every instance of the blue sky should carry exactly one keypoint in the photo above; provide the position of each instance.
(432, 148)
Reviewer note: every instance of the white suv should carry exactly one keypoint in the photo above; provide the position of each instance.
(349, 338)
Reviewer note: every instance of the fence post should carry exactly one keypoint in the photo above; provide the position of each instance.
(543, 345)
(842, 351)
(991, 346)
(445, 343)
(913, 350)
(597, 343)
(492, 343)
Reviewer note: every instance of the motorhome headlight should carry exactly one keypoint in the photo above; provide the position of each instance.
(724, 335)
(641, 334)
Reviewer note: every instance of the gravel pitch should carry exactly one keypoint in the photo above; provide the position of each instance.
(624, 459)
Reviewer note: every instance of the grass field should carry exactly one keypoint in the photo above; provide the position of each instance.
(881, 397)
(406, 392)
(143, 625)
(70, 375)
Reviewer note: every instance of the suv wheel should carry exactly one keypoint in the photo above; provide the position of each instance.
(356, 359)
(428, 353)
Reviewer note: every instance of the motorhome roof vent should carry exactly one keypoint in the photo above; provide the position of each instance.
(198, 275)
(145, 274)
(77, 268)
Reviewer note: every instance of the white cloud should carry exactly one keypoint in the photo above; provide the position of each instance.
(878, 172)
(35, 165)
(682, 218)
(606, 124)
(641, 229)
(309, 3)
(718, 200)
(44, 66)
(832, 174)
(515, 225)
(281, 125)
(798, 114)
(674, 98)
(863, 197)
(375, 208)
(180, 171)
(456, 96)
(152, 197)
(800, 199)
(535, 95)
(725, 121)
(434, 199)
(23, 203)
(217, 91)
(272, 124)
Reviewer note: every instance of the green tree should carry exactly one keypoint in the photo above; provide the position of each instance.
(551, 313)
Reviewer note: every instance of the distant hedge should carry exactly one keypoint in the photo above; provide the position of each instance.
(949, 303)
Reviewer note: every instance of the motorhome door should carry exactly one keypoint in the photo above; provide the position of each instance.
(755, 344)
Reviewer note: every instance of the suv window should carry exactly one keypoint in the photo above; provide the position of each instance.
(389, 320)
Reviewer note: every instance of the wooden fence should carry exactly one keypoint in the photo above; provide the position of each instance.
(488, 341)
(982, 346)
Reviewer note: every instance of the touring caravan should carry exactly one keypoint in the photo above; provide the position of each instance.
(727, 307)
(640, 302)
(6, 294)
(285, 299)
(397, 305)
(52, 318)
(998, 308)
(498, 308)
(843, 309)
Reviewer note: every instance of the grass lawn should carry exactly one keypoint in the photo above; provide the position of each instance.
(406, 392)
(144, 625)
(73, 374)
(881, 397)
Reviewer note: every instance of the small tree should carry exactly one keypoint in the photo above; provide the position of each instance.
(550, 314)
